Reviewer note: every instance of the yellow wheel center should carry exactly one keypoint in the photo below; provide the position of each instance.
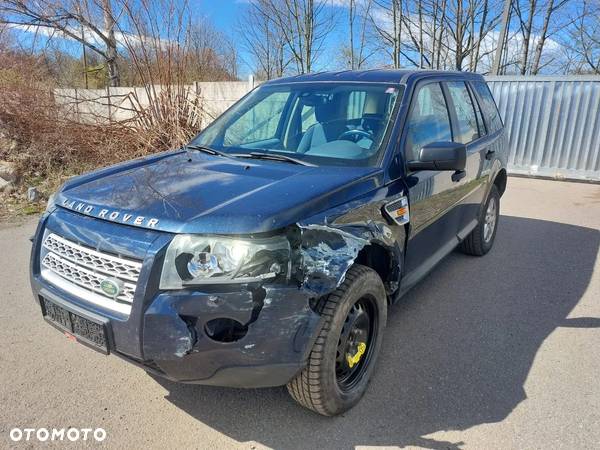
(360, 351)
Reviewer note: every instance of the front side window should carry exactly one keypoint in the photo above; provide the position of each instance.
(465, 112)
(428, 120)
(322, 123)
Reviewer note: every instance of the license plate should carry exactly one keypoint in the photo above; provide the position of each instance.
(75, 326)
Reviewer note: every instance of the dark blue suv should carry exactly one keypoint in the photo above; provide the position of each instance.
(267, 251)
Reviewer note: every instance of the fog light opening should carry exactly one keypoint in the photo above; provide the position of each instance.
(225, 330)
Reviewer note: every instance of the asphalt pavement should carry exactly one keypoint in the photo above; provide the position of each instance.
(495, 352)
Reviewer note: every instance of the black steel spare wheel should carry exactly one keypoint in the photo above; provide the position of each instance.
(355, 346)
(343, 357)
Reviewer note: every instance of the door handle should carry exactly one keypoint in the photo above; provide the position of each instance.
(458, 175)
(489, 154)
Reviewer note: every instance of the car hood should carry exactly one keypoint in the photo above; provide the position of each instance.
(198, 193)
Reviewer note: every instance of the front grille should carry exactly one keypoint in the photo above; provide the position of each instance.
(93, 260)
(88, 268)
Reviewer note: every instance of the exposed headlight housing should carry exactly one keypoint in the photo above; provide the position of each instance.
(200, 260)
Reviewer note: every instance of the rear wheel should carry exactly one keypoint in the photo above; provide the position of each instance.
(481, 239)
(344, 354)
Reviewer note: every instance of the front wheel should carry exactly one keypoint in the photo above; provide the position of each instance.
(344, 354)
(481, 239)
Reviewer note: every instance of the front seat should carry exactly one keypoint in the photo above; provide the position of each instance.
(328, 127)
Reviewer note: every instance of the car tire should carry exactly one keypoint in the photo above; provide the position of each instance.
(338, 371)
(481, 239)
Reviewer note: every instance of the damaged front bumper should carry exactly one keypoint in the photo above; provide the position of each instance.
(241, 338)
(246, 335)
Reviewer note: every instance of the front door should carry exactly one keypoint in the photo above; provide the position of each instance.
(433, 195)
(469, 129)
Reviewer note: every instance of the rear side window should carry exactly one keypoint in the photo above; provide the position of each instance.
(428, 120)
(490, 110)
(465, 112)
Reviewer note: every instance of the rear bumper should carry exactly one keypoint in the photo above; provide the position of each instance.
(167, 332)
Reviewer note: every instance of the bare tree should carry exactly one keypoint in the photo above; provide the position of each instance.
(447, 34)
(387, 19)
(525, 14)
(551, 7)
(357, 52)
(263, 40)
(212, 55)
(301, 25)
(304, 25)
(68, 18)
(582, 42)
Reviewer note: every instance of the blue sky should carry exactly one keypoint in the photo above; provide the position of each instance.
(223, 13)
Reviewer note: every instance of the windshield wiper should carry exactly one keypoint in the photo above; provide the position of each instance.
(273, 157)
(206, 149)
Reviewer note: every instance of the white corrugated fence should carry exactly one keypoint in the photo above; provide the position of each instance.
(553, 124)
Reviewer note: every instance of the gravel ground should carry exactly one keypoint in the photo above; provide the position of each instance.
(493, 352)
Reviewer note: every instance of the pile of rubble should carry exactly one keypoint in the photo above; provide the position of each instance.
(8, 177)
(8, 172)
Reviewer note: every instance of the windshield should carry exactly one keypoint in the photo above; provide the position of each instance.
(319, 123)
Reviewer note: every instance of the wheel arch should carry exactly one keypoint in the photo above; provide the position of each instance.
(500, 180)
(382, 260)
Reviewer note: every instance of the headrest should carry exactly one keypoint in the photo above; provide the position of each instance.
(326, 110)
(374, 103)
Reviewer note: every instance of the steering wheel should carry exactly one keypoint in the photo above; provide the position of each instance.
(356, 132)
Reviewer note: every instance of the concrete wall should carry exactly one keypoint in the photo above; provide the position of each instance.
(118, 104)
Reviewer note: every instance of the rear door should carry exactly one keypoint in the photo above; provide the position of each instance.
(469, 129)
(433, 195)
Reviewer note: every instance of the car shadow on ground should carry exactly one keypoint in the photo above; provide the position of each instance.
(457, 349)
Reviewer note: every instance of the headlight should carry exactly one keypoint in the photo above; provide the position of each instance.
(193, 260)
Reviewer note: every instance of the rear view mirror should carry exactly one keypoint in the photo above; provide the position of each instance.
(441, 156)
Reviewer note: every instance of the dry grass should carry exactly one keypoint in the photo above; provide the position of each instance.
(52, 147)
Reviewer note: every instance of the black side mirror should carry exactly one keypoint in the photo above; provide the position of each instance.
(441, 156)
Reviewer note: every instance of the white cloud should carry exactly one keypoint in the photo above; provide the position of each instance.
(123, 39)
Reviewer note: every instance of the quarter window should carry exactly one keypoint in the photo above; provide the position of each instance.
(465, 112)
(428, 120)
